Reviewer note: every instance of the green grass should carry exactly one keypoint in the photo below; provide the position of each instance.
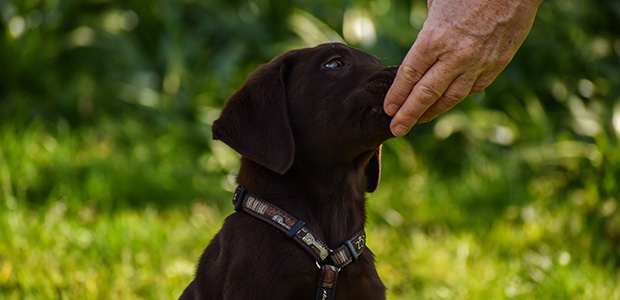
(134, 254)
(86, 215)
(146, 254)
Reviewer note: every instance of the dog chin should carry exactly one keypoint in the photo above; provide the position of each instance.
(378, 111)
(376, 123)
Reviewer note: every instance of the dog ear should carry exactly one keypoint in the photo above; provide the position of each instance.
(373, 171)
(254, 121)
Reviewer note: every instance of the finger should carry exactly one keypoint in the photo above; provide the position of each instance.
(414, 66)
(484, 81)
(455, 93)
(425, 93)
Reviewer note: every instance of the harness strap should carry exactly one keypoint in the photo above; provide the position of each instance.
(327, 282)
(350, 249)
(296, 229)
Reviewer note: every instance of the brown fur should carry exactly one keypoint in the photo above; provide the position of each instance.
(310, 140)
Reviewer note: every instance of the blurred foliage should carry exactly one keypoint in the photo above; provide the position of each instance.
(105, 149)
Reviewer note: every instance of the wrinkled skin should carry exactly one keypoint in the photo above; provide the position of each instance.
(462, 47)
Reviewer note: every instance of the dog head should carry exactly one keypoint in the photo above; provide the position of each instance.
(313, 106)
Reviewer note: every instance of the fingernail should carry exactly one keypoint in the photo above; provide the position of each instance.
(391, 110)
(400, 130)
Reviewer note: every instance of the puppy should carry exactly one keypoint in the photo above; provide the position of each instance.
(309, 126)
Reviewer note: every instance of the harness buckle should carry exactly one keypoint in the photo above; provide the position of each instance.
(295, 228)
(238, 197)
(351, 248)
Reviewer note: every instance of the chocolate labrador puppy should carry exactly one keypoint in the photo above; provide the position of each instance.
(309, 126)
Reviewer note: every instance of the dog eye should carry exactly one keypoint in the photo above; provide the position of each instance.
(334, 64)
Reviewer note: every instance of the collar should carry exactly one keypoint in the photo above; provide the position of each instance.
(295, 229)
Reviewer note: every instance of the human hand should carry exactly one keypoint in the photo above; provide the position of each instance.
(461, 49)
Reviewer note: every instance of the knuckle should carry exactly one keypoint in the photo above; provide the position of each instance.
(453, 98)
(409, 74)
(462, 56)
(428, 95)
(465, 53)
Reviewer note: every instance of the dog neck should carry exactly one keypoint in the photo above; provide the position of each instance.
(330, 199)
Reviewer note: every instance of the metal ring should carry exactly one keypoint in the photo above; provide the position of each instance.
(317, 264)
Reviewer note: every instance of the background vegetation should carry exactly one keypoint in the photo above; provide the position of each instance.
(110, 184)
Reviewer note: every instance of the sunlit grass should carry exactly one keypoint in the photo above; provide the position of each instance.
(150, 254)
(134, 254)
(458, 237)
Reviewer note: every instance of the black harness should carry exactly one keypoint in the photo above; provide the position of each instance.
(297, 230)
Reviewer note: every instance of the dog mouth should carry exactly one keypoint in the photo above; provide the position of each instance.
(380, 82)
(377, 111)
(374, 120)
(379, 86)
(377, 90)
(375, 124)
